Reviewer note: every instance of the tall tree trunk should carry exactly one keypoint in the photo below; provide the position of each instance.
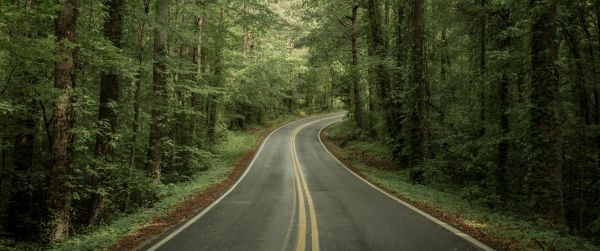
(358, 115)
(596, 85)
(213, 114)
(420, 109)
(504, 106)
(381, 74)
(245, 37)
(136, 102)
(396, 131)
(482, 66)
(444, 58)
(137, 87)
(387, 4)
(107, 115)
(159, 90)
(59, 192)
(545, 165)
(198, 62)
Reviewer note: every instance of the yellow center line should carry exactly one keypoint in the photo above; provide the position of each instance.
(301, 233)
(314, 231)
(302, 188)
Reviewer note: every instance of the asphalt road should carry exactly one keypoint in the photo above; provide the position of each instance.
(296, 196)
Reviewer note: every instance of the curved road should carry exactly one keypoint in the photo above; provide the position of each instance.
(296, 196)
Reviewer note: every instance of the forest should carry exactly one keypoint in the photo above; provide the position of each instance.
(105, 103)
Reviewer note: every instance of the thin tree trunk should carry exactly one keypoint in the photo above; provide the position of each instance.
(213, 115)
(159, 90)
(62, 123)
(386, 23)
(482, 68)
(137, 87)
(420, 110)
(358, 115)
(198, 63)
(107, 115)
(397, 129)
(443, 57)
(245, 37)
(503, 44)
(380, 73)
(596, 85)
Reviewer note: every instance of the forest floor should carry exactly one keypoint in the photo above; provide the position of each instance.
(499, 230)
(182, 200)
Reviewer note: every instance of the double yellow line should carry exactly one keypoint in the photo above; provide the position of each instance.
(302, 189)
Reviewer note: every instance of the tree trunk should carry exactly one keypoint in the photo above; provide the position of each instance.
(213, 114)
(377, 46)
(159, 90)
(198, 62)
(59, 193)
(137, 88)
(397, 127)
(482, 67)
(545, 171)
(107, 115)
(444, 57)
(245, 37)
(420, 109)
(358, 115)
(386, 23)
(503, 107)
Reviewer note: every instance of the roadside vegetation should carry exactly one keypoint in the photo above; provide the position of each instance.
(105, 105)
(499, 100)
(438, 196)
(168, 196)
(113, 111)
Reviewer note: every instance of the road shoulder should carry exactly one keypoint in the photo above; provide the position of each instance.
(496, 230)
(195, 203)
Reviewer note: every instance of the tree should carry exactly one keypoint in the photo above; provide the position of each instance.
(62, 122)
(378, 49)
(107, 114)
(358, 114)
(419, 111)
(218, 75)
(159, 90)
(545, 169)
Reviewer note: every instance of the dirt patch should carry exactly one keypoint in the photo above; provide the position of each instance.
(454, 220)
(187, 208)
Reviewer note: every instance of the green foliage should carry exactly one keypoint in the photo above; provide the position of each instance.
(464, 203)
(480, 129)
(160, 198)
(218, 85)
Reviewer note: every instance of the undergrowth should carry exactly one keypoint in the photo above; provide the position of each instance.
(226, 154)
(516, 232)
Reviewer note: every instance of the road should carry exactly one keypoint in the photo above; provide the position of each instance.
(296, 196)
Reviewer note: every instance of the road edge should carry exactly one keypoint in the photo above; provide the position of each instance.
(445, 225)
(205, 210)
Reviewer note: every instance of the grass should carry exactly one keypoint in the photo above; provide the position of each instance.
(508, 231)
(227, 153)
